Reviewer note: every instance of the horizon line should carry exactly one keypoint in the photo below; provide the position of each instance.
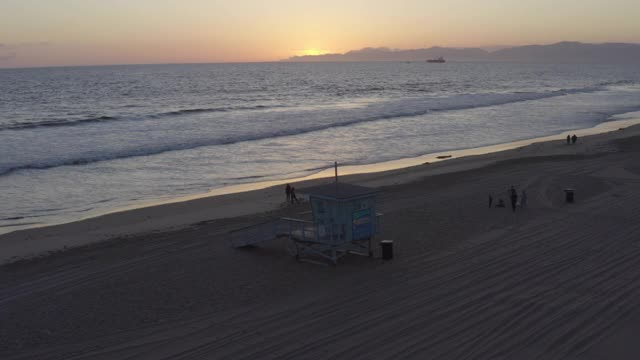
(288, 59)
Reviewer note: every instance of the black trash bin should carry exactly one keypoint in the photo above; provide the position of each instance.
(569, 195)
(387, 249)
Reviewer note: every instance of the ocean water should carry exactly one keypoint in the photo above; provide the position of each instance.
(86, 140)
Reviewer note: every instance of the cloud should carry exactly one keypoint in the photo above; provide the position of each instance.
(25, 45)
(9, 52)
(7, 57)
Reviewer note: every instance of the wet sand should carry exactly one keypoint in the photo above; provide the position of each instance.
(552, 281)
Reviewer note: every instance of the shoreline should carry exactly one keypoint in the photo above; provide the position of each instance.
(231, 201)
(628, 119)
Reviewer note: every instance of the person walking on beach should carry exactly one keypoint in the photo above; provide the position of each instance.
(568, 139)
(574, 138)
(490, 200)
(514, 198)
(523, 199)
(293, 195)
(287, 190)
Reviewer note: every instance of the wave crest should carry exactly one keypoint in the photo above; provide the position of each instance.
(105, 118)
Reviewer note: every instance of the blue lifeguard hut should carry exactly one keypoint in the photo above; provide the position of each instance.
(344, 221)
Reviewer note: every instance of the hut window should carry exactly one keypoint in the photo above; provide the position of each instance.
(321, 207)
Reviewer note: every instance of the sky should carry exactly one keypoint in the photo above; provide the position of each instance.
(91, 32)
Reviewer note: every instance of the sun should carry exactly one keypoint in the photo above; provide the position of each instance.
(312, 52)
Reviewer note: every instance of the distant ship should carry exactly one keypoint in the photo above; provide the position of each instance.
(438, 60)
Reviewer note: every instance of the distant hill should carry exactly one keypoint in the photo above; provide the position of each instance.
(572, 52)
(563, 52)
(386, 54)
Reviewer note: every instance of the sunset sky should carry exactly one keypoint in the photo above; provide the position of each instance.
(86, 32)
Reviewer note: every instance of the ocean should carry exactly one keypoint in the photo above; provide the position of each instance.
(81, 141)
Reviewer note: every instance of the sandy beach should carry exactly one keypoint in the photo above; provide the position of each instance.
(551, 281)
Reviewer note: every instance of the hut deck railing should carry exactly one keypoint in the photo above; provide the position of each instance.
(304, 237)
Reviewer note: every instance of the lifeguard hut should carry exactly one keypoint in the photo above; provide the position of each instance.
(344, 221)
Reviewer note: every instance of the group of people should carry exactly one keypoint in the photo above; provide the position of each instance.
(516, 201)
(572, 139)
(291, 194)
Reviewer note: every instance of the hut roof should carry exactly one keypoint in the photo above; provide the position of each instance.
(338, 191)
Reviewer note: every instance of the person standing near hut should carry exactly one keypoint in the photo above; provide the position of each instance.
(293, 195)
(288, 192)
(514, 198)
(568, 139)
(574, 138)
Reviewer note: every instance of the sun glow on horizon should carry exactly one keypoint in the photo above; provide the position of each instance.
(312, 52)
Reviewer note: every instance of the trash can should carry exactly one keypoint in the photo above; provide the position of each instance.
(387, 249)
(569, 193)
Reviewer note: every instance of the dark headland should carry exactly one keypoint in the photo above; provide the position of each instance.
(562, 52)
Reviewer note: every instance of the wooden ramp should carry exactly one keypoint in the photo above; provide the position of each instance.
(255, 233)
